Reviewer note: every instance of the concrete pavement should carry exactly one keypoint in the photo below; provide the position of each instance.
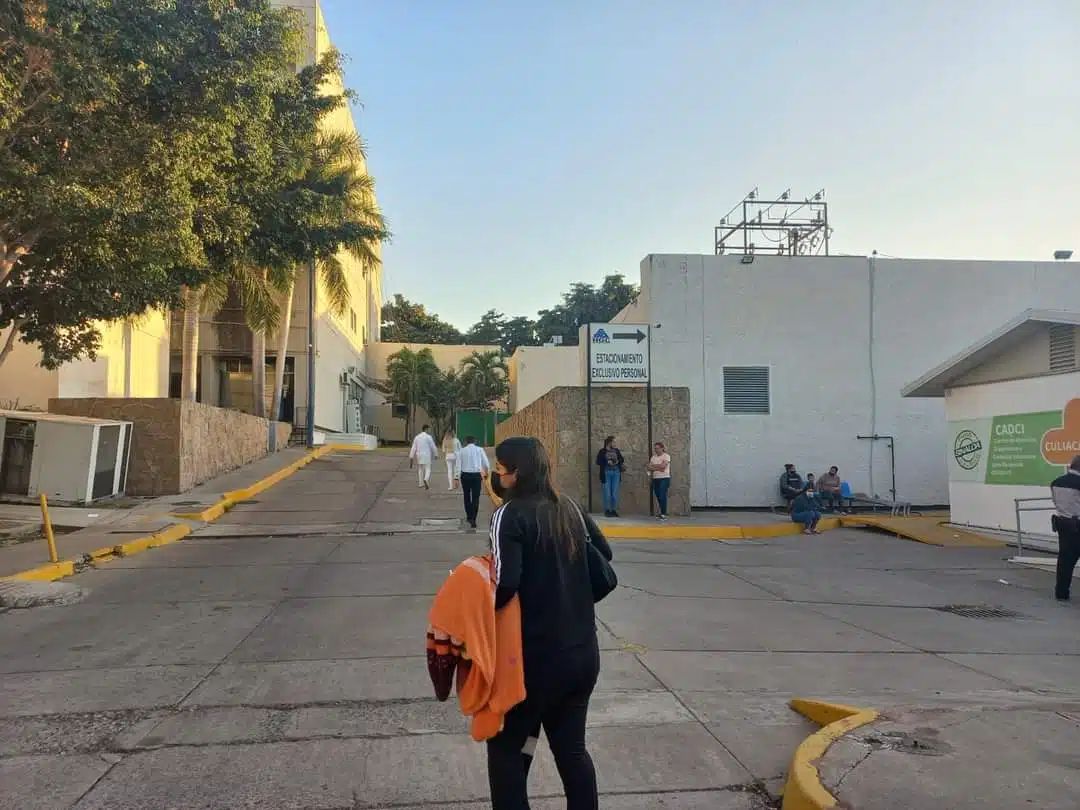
(275, 659)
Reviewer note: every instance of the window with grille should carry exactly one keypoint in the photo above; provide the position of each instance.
(746, 390)
(1062, 347)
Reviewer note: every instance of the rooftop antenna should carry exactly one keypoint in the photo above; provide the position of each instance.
(775, 227)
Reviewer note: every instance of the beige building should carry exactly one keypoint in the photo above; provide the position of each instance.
(535, 370)
(340, 341)
(388, 417)
(133, 361)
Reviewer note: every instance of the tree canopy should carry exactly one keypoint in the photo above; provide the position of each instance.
(407, 322)
(124, 127)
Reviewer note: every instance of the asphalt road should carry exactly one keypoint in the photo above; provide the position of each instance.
(275, 660)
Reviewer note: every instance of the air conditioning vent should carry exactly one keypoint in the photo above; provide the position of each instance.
(746, 390)
(1062, 347)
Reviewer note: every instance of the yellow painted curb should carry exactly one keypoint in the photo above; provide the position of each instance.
(230, 499)
(803, 790)
(683, 531)
(66, 568)
(162, 538)
(45, 573)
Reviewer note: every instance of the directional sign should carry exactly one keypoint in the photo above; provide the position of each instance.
(618, 353)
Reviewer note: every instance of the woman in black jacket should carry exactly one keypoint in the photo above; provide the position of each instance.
(538, 541)
(612, 465)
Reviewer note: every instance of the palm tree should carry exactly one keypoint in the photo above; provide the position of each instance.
(441, 398)
(484, 377)
(411, 377)
(334, 196)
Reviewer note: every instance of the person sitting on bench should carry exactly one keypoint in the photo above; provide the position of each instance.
(791, 484)
(828, 488)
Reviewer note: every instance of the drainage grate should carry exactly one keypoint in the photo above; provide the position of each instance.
(979, 612)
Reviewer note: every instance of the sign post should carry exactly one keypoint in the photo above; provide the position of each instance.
(617, 354)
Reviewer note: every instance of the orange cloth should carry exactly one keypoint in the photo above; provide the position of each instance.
(464, 622)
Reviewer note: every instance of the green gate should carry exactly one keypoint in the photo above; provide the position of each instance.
(480, 424)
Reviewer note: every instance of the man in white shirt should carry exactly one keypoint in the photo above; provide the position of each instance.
(423, 452)
(474, 468)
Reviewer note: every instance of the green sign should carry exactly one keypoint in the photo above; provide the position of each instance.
(1005, 449)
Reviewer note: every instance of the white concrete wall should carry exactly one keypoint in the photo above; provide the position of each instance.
(993, 505)
(535, 370)
(809, 319)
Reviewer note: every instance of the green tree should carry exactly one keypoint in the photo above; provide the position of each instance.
(406, 322)
(119, 125)
(584, 303)
(484, 379)
(488, 331)
(411, 375)
(519, 331)
(441, 399)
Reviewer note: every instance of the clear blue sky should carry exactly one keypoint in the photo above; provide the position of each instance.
(521, 146)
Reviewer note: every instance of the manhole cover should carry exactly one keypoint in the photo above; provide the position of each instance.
(16, 594)
(440, 521)
(187, 503)
(979, 612)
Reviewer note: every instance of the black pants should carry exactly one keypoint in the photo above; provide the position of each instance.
(558, 691)
(1068, 555)
(471, 485)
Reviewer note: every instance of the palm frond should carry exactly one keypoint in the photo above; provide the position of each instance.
(335, 280)
(214, 295)
(258, 299)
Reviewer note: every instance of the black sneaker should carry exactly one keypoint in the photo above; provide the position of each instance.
(607, 513)
(1061, 598)
(614, 514)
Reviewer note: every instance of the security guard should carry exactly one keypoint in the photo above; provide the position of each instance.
(1066, 494)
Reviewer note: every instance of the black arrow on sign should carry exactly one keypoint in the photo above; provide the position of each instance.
(637, 336)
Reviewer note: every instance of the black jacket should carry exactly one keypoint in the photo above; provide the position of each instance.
(601, 462)
(557, 611)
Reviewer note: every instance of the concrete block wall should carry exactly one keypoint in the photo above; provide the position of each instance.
(178, 445)
(558, 420)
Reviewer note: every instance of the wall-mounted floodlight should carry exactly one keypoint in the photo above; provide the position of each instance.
(1062, 255)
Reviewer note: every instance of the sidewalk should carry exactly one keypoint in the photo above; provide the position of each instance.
(115, 525)
(1024, 754)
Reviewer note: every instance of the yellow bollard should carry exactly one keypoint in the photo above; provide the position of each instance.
(47, 524)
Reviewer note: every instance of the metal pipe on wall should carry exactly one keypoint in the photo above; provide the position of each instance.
(311, 357)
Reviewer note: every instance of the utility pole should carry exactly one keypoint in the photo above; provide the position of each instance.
(311, 356)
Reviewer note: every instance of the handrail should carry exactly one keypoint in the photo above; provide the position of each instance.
(1016, 504)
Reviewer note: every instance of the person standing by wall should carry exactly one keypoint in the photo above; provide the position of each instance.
(1066, 522)
(611, 464)
(474, 466)
(423, 452)
(659, 468)
(451, 447)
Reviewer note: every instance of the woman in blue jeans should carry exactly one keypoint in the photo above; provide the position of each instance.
(804, 510)
(611, 463)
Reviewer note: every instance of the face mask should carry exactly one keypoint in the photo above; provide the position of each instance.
(497, 485)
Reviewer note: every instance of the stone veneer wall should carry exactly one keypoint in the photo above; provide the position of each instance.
(177, 445)
(558, 420)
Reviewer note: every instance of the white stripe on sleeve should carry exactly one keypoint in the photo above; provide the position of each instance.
(496, 522)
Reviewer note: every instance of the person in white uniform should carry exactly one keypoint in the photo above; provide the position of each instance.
(451, 448)
(423, 452)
